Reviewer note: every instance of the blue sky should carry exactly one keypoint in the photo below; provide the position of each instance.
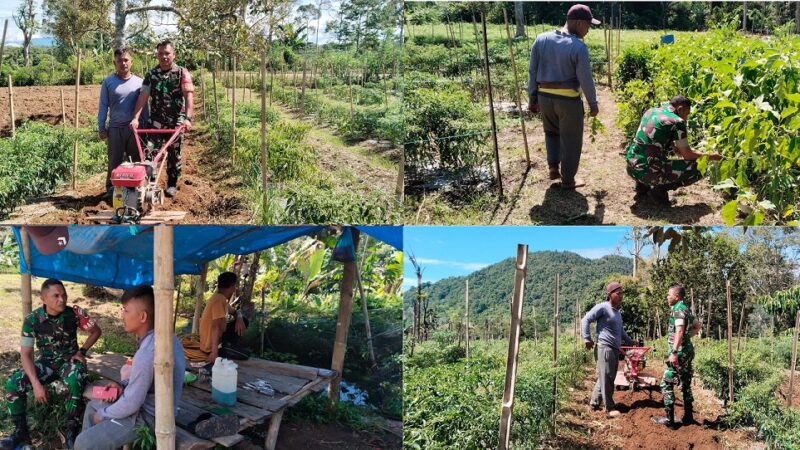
(457, 251)
(14, 35)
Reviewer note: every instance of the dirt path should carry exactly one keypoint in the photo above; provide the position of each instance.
(634, 429)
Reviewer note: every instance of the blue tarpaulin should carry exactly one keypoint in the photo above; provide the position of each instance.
(122, 256)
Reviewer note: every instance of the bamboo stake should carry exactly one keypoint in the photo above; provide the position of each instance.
(491, 105)
(233, 111)
(342, 324)
(364, 309)
(607, 35)
(794, 358)
(198, 301)
(11, 102)
(576, 331)
(25, 279)
(264, 131)
(730, 343)
(3, 45)
(533, 319)
(513, 347)
(163, 361)
(77, 98)
(203, 95)
(466, 317)
(739, 331)
(177, 302)
(555, 351)
(708, 320)
(261, 325)
(516, 90)
(214, 89)
(63, 109)
(691, 296)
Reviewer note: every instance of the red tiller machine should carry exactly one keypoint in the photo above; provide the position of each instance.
(135, 184)
(635, 362)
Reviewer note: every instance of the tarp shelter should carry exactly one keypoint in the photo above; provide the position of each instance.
(125, 256)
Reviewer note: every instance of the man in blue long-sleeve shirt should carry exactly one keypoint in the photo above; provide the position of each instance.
(610, 336)
(118, 95)
(559, 70)
(112, 426)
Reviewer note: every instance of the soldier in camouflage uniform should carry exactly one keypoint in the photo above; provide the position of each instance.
(170, 90)
(53, 328)
(662, 132)
(682, 327)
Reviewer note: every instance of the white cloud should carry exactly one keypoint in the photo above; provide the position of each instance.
(594, 253)
(470, 266)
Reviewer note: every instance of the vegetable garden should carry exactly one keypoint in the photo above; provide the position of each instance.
(745, 105)
(741, 285)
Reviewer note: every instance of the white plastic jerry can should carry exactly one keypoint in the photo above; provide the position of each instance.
(223, 381)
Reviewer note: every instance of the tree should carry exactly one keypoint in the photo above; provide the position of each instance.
(25, 18)
(70, 21)
(519, 19)
(363, 23)
(121, 11)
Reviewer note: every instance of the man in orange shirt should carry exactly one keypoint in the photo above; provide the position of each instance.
(214, 326)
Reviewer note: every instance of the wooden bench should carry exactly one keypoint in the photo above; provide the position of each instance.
(291, 383)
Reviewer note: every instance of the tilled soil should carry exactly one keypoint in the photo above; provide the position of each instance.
(44, 103)
(634, 429)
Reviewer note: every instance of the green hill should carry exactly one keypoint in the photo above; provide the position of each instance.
(490, 288)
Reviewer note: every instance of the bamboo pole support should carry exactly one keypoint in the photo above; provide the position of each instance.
(11, 103)
(163, 362)
(3, 45)
(533, 319)
(63, 109)
(77, 98)
(491, 105)
(739, 331)
(507, 408)
(203, 95)
(177, 302)
(555, 350)
(691, 296)
(233, 111)
(794, 358)
(708, 319)
(198, 300)
(214, 90)
(364, 309)
(263, 130)
(516, 90)
(25, 280)
(343, 324)
(730, 342)
(466, 317)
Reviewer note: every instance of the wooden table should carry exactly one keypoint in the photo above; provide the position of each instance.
(291, 383)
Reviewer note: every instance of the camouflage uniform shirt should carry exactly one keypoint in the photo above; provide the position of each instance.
(167, 90)
(56, 337)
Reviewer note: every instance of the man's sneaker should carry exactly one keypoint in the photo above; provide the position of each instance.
(613, 414)
(171, 191)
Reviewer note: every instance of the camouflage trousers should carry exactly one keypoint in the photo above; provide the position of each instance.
(649, 167)
(72, 373)
(155, 141)
(678, 375)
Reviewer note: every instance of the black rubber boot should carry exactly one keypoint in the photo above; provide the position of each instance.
(641, 189)
(688, 416)
(20, 435)
(668, 420)
(72, 431)
(660, 195)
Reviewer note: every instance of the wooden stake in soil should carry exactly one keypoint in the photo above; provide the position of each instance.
(203, 95)
(214, 90)
(233, 111)
(343, 324)
(3, 45)
(708, 320)
(730, 343)
(25, 279)
(491, 105)
(794, 358)
(164, 357)
(516, 90)
(198, 301)
(691, 296)
(364, 309)
(466, 317)
(77, 98)
(555, 351)
(739, 331)
(11, 103)
(513, 347)
(63, 109)
(263, 131)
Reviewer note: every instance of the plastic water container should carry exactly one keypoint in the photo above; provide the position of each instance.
(125, 371)
(223, 381)
(667, 39)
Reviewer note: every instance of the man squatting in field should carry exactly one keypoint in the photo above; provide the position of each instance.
(53, 328)
(610, 336)
(170, 90)
(559, 66)
(661, 133)
(118, 95)
(683, 325)
(108, 427)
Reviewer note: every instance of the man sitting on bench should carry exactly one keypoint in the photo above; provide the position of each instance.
(112, 426)
(215, 330)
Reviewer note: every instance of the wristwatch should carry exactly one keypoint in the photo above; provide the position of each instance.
(83, 351)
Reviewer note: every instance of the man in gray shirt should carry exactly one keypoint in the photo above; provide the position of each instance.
(118, 95)
(610, 336)
(559, 67)
(112, 426)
